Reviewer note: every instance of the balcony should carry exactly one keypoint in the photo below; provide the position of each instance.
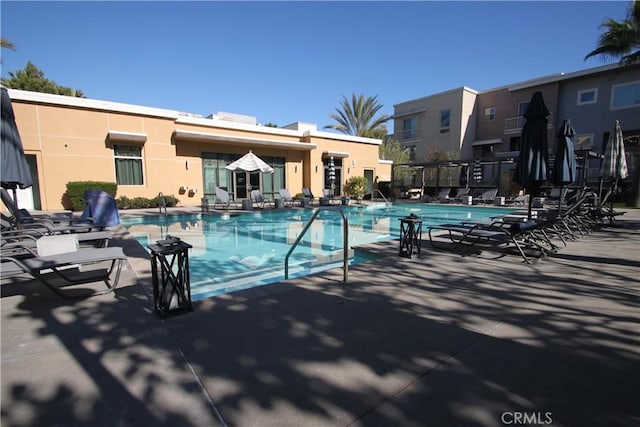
(403, 135)
(515, 124)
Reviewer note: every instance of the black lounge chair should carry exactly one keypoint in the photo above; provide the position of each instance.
(519, 235)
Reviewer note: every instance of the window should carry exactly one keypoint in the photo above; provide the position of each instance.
(587, 96)
(445, 120)
(409, 128)
(626, 95)
(522, 108)
(215, 174)
(490, 113)
(411, 151)
(514, 143)
(128, 160)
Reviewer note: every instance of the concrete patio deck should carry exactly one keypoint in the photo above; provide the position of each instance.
(438, 340)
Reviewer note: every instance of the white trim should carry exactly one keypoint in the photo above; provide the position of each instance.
(558, 77)
(217, 137)
(338, 154)
(73, 101)
(342, 137)
(119, 136)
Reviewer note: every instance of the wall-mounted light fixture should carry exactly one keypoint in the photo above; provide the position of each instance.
(183, 188)
(316, 168)
(354, 162)
(295, 168)
(186, 164)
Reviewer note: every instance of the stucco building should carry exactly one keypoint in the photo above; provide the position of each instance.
(486, 125)
(148, 151)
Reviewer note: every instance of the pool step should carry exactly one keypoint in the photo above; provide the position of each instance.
(266, 275)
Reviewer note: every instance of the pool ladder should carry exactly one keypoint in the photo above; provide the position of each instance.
(162, 203)
(345, 240)
(388, 203)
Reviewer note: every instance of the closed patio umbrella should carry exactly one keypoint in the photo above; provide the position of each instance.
(15, 171)
(532, 165)
(564, 168)
(464, 176)
(332, 173)
(614, 165)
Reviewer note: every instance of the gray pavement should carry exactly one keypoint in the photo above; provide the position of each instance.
(442, 339)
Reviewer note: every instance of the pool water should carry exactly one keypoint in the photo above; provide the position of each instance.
(241, 250)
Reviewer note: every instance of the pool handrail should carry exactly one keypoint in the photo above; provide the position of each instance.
(388, 203)
(345, 239)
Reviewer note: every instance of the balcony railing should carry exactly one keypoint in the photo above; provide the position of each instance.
(515, 124)
(402, 135)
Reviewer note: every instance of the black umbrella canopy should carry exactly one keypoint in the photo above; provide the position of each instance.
(532, 165)
(14, 169)
(564, 169)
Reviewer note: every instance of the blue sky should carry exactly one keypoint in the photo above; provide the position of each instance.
(294, 61)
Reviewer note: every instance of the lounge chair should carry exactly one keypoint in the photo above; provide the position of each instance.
(487, 196)
(460, 193)
(43, 226)
(29, 238)
(286, 196)
(55, 222)
(522, 200)
(46, 269)
(443, 195)
(328, 195)
(307, 194)
(222, 198)
(516, 234)
(258, 199)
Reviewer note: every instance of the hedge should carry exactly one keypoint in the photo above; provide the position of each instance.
(143, 203)
(74, 197)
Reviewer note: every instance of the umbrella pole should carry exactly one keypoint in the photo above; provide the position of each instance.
(560, 201)
(530, 203)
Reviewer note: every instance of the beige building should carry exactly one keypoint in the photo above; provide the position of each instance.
(148, 151)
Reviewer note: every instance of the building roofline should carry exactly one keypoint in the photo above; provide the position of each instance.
(177, 116)
(446, 92)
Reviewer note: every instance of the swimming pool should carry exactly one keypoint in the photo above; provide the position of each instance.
(236, 251)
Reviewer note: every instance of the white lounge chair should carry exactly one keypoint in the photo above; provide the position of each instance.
(258, 199)
(286, 196)
(222, 198)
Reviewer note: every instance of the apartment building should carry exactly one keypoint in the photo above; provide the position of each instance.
(148, 150)
(486, 126)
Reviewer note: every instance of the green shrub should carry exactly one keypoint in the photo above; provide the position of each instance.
(144, 203)
(355, 186)
(74, 197)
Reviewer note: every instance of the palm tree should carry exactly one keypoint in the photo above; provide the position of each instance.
(6, 44)
(621, 39)
(358, 117)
